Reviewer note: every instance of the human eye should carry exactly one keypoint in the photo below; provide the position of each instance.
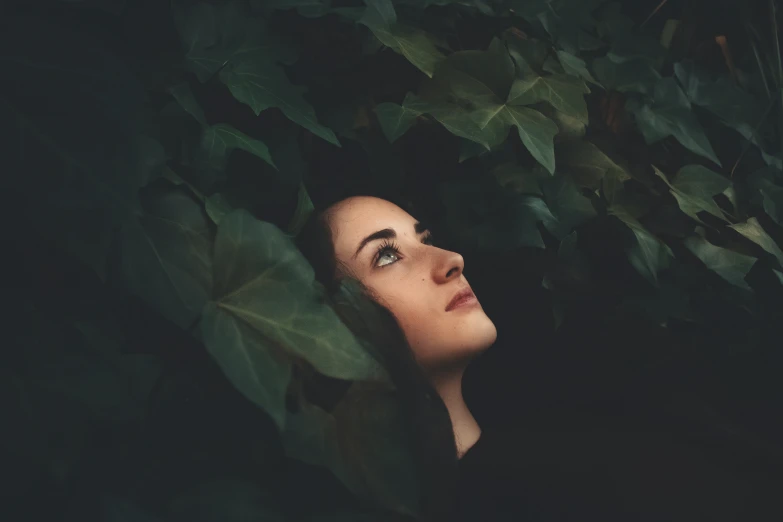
(386, 249)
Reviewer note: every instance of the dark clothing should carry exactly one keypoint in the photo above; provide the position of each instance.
(594, 470)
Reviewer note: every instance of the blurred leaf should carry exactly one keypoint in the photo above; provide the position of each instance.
(226, 500)
(629, 76)
(670, 114)
(219, 140)
(306, 8)
(71, 187)
(587, 164)
(396, 119)
(729, 265)
(694, 188)
(184, 96)
(167, 255)
(752, 230)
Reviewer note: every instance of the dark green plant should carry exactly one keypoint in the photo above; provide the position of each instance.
(179, 173)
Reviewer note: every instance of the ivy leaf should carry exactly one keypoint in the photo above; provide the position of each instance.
(694, 188)
(735, 107)
(261, 279)
(216, 35)
(248, 360)
(670, 114)
(219, 140)
(517, 179)
(412, 43)
(729, 265)
(469, 95)
(184, 96)
(587, 164)
(575, 66)
(167, 255)
(262, 85)
(567, 204)
(752, 230)
(536, 131)
(628, 76)
(396, 119)
(71, 189)
(648, 254)
(563, 93)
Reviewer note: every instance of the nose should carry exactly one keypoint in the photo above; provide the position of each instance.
(449, 267)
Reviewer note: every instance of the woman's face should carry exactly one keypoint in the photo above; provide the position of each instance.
(389, 252)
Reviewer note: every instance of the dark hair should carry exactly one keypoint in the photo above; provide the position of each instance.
(428, 424)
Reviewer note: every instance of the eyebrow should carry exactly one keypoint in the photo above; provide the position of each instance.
(387, 233)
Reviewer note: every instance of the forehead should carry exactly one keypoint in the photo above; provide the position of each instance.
(355, 218)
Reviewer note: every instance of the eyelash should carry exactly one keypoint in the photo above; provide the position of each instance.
(391, 247)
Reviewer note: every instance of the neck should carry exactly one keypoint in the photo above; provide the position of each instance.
(466, 430)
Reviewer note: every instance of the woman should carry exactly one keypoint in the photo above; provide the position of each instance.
(437, 321)
(583, 470)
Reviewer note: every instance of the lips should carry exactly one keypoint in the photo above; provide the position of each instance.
(461, 297)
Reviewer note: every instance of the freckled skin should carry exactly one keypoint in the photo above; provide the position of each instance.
(415, 285)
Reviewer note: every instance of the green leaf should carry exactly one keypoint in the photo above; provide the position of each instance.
(575, 66)
(517, 179)
(226, 500)
(648, 254)
(262, 85)
(773, 202)
(536, 131)
(262, 279)
(670, 114)
(587, 164)
(219, 140)
(396, 119)
(167, 255)
(184, 96)
(729, 265)
(468, 96)
(216, 35)
(76, 154)
(566, 203)
(629, 76)
(217, 207)
(304, 207)
(733, 106)
(752, 230)
(694, 188)
(562, 92)
(305, 8)
(249, 360)
(410, 42)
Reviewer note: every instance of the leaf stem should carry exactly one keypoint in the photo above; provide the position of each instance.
(663, 3)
